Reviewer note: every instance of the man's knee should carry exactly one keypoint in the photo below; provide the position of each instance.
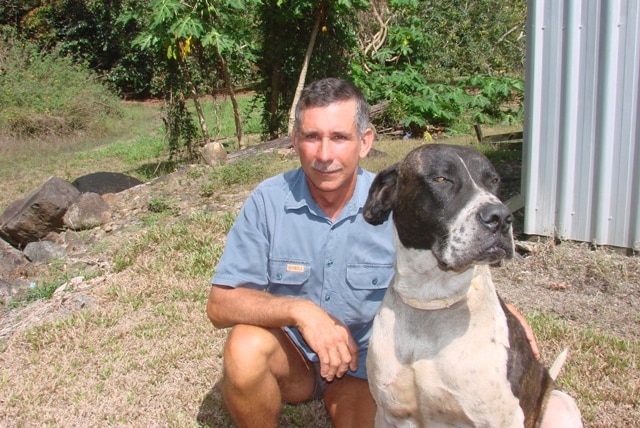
(256, 357)
(561, 411)
(247, 350)
(247, 341)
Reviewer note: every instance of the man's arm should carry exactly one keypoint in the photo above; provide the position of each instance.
(327, 336)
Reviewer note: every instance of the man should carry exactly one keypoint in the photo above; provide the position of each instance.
(303, 274)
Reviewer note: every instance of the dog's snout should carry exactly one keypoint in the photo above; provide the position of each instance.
(496, 218)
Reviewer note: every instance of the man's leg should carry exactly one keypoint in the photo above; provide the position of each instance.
(262, 369)
(349, 403)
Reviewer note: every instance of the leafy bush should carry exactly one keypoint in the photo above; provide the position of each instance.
(443, 63)
(46, 94)
(417, 103)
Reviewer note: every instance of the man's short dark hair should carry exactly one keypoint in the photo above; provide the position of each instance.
(329, 90)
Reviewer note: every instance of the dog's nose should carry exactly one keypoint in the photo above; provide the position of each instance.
(496, 218)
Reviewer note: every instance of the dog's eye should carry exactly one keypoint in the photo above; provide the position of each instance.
(440, 180)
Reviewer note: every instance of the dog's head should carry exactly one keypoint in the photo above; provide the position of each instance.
(444, 198)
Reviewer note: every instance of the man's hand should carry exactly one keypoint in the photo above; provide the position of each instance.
(330, 339)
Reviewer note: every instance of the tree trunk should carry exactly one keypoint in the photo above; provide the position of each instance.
(196, 103)
(198, 106)
(234, 102)
(305, 65)
(276, 85)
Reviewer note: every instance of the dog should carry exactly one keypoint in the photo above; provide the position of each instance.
(445, 351)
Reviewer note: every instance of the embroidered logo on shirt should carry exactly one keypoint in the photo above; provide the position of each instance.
(295, 268)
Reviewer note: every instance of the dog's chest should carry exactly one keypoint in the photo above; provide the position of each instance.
(454, 359)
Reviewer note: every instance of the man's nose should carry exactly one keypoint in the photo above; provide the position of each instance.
(325, 150)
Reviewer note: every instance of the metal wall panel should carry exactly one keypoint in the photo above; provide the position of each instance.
(581, 152)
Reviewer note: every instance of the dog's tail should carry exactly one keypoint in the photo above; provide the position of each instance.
(557, 365)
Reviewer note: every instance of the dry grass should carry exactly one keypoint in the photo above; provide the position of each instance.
(141, 352)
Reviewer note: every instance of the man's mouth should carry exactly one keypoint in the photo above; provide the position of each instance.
(326, 170)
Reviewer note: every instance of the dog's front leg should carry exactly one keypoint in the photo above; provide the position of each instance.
(392, 384)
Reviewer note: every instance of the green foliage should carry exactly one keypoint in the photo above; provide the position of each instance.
(181, 131)
(416, 103)
(285, 32)
(161, 205)
(189, 39)
(443, 63)
(46, 93)
(87, 31)
(447, 65)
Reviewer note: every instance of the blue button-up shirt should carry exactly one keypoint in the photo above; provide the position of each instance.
(282, 242)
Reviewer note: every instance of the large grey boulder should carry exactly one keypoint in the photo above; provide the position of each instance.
(87, 212)
(39, 213)
(10, 259)
(44, 251)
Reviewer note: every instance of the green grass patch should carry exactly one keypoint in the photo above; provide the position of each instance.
(52, 277)
(218, 113)
(189, 247)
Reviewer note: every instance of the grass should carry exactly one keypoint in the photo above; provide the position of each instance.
(129, 142)
(146, 355)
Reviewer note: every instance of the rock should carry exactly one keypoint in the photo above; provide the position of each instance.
(87, 212)
(82, 301)
(214, 153)
(40, 212)
(105, 182)
(8, 289)
(10, 259)
(44, 251)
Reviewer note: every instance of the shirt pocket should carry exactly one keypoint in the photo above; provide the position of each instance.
(369, 276)
(289, 272)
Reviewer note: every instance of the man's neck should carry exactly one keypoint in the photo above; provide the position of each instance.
(332, 203)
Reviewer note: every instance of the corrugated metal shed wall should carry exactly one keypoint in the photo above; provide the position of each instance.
(581, 155)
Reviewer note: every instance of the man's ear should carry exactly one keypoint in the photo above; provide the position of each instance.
(366, 143)
(294, 141)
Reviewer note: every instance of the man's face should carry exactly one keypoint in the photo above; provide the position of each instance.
(329, 148)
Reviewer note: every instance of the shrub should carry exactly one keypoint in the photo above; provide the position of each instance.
(47, 94)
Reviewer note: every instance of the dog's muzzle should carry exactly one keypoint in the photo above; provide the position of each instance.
(496, 218)
(497, 221)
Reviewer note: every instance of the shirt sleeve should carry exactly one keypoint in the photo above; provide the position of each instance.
(244, 260)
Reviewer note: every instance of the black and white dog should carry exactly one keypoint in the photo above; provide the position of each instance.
(445, 351)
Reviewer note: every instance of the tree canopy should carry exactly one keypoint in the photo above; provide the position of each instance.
(437, 63)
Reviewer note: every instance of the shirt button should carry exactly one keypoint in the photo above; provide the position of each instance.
(327, 298)
(330, 263)
(278, 277)
(374, 281)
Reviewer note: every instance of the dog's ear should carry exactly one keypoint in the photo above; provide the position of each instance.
(382, 196)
